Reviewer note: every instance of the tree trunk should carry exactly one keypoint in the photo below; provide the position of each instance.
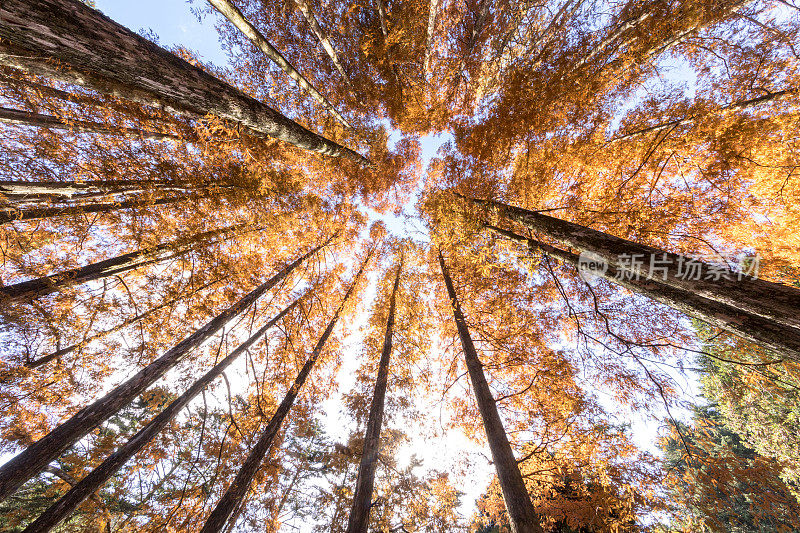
(362, 499)
(60, 510)
(104, 56)
(433, 6)
(233, 498)
(12, 214)
(521, 513)
(785, 342)
(60, 352)
(27, 118)
(232, 13)
(382, 19)
(317, 30)
(772, 301)
(38, 455)
(20, 192)
(36, 288)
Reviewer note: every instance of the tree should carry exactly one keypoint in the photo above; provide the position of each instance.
(764, 332)
(571, 138)
(190, 89)
(39, 454)
(230, 11)
(754, 396)
(362, 499)
(232, 499)
(109, 267)
(520, 510)
(720, 483)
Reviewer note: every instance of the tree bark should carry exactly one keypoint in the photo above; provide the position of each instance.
(382, 18)
(433, 7)
(783, 341)
(521, 513)
(22, 191)
(72, 481)
(36, 288)
(104, 56)
(773, 301)
(38, 455)
(233, 498)
(43, 360)
(317, 30)
(232, 13)
(60, 510)
(362, 499)
(27, 118)
(12, 214)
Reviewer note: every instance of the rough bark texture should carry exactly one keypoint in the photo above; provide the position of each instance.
(109, 58)
(382, 17)
(362, 499)
(520, 510)
(232, 13)
(12, 214)
(317, 30)
(433, 7)
(60, 510)
(773, 301)
(38, 287)
(25, 192)
(784, 341)
(27, 118)
(233, 498)
(38, 455)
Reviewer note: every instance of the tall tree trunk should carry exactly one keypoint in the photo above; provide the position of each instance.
(102, 55)
(382, 18)
(60, 352)
(23, 191)
(233, 499)
(60, 510)
(12, 214)
(72, 481)
(317, 30)
(521, 513)
(433, 7)
(38, 455)
(362, 499)
(28, 118)
(772, 301)
(782, 340)
(36, 288)
(232, 13)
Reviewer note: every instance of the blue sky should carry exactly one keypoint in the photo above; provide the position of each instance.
(172, 21)
(175, 24)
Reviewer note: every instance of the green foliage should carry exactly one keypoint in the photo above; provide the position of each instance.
(720, 484)
(760, 402)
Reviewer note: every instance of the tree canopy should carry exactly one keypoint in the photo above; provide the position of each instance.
(247, 297)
